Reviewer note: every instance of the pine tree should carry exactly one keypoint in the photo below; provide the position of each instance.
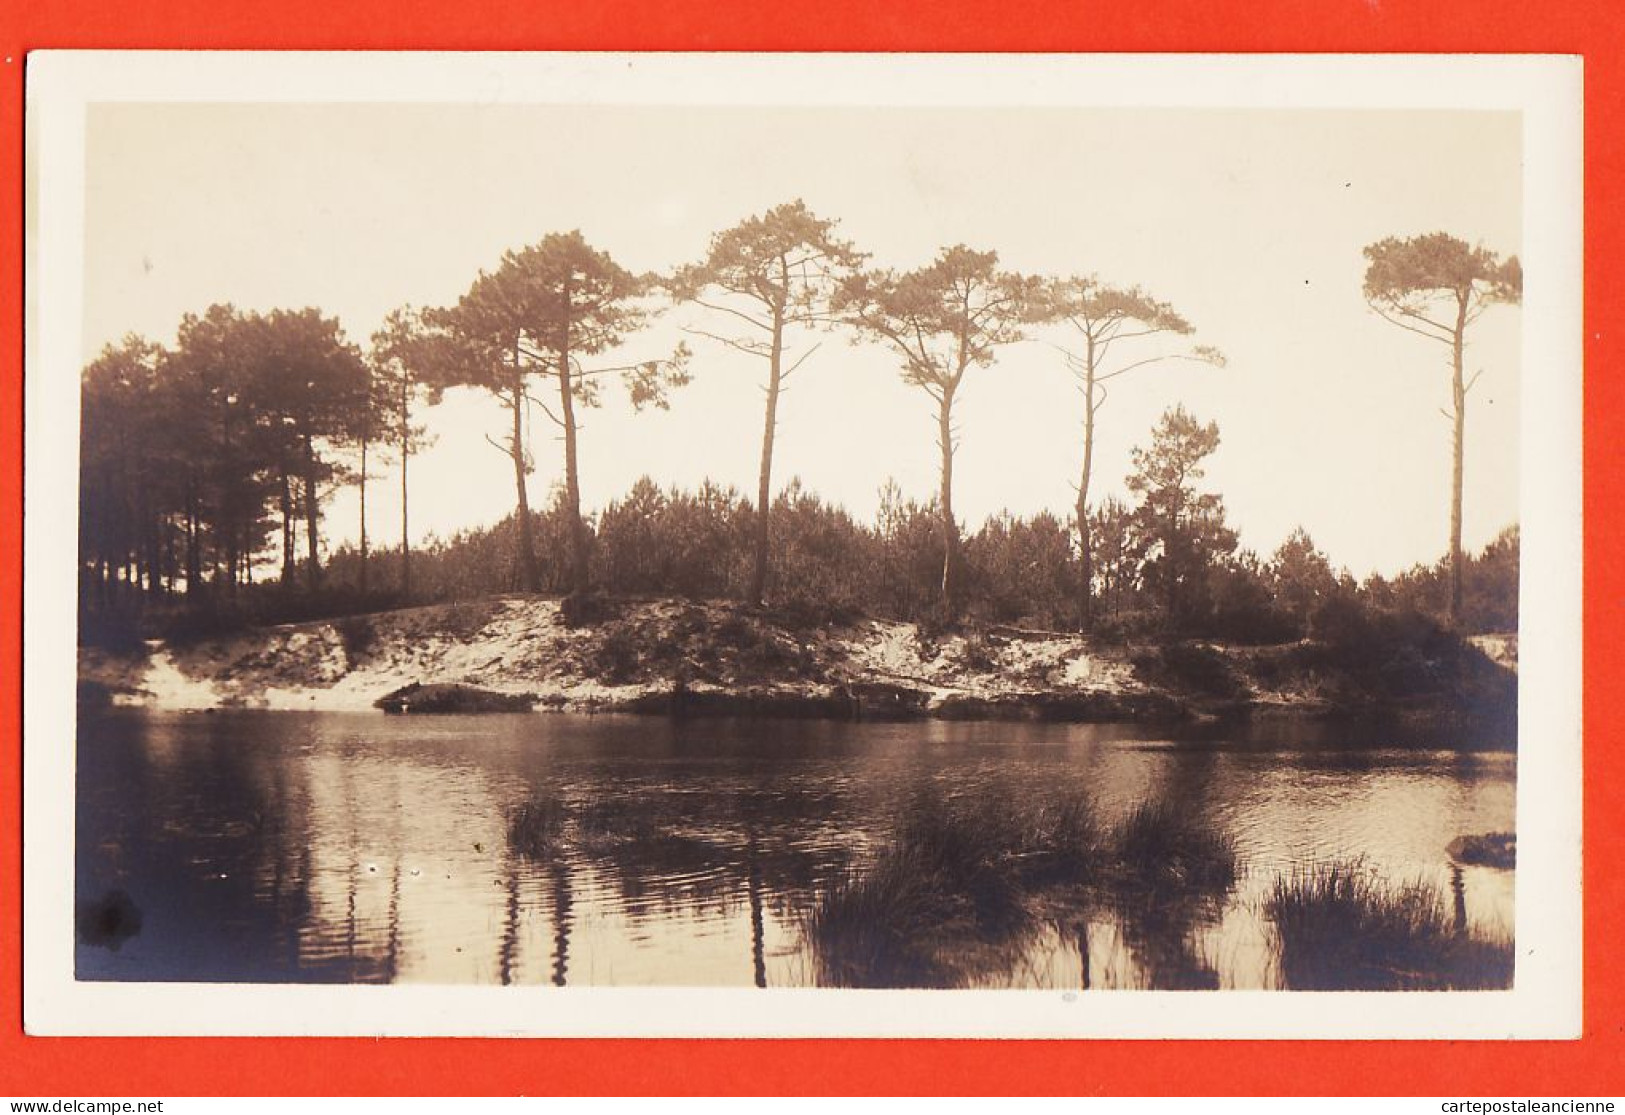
(771, 274)
(1103, 320)
(943, 319)
(1436, 286)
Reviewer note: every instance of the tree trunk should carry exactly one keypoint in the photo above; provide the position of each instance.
(169, 556)
(406, 454)
(1458, 394)
(1086, 549)
(313, 513)
(289, 565)
(527, 542)
(194, 557)
(363, 515)
(572, 483)
(1173, 560)
(232, 557)
(764, 489)
(950, 525)
(149, 543)
(230, 501)
(104, 541)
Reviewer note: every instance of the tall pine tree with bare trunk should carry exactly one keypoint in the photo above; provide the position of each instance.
(943, 319)
(477, 343)
(402, 371)
(1114, 331)
(545, 308)
(1436, 286)
(762, 278)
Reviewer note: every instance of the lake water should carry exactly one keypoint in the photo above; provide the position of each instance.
(573, 850)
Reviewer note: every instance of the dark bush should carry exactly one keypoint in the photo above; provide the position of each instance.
(978, 653)
(617, 656)
(1022, 570)
(588, 609)
(358, 635)
(1401, 653)
(443, 698)
(1190, 666)
(119, 632)
(1243, 608)
(463, 620)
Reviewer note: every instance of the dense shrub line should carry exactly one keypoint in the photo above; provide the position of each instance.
(831, 567)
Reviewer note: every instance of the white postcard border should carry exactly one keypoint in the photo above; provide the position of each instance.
(1546, 1001)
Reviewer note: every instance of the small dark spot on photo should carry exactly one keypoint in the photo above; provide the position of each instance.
(109, 921)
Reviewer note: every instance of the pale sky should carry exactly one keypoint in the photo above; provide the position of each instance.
(1250, 222)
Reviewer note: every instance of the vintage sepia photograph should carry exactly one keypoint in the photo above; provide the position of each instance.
(582, 522)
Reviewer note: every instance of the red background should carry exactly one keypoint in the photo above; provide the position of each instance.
(1594, 1065)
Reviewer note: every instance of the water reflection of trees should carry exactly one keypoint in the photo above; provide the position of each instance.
(563, 919)
(732, 849)
(1174, 867)
(261, 856)
(1160, 926)
(981, 871)
(220, 850)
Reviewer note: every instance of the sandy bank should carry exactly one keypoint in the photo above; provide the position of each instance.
(696, 658)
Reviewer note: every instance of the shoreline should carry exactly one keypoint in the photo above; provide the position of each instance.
(718, 658)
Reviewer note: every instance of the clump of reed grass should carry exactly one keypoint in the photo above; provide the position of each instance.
(885, 925)
(589, 822)
(1062, 842)
(612, 820)
(1170, 870)
(950, 892)
(1339, 927)
(535, 827)
(1161, 845)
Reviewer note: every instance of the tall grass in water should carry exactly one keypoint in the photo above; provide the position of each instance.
(1172, 869)
(590, 822)
(536, 827)
(950, 894)
(1339, 928)
(1161, 844)
(1060, 842)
